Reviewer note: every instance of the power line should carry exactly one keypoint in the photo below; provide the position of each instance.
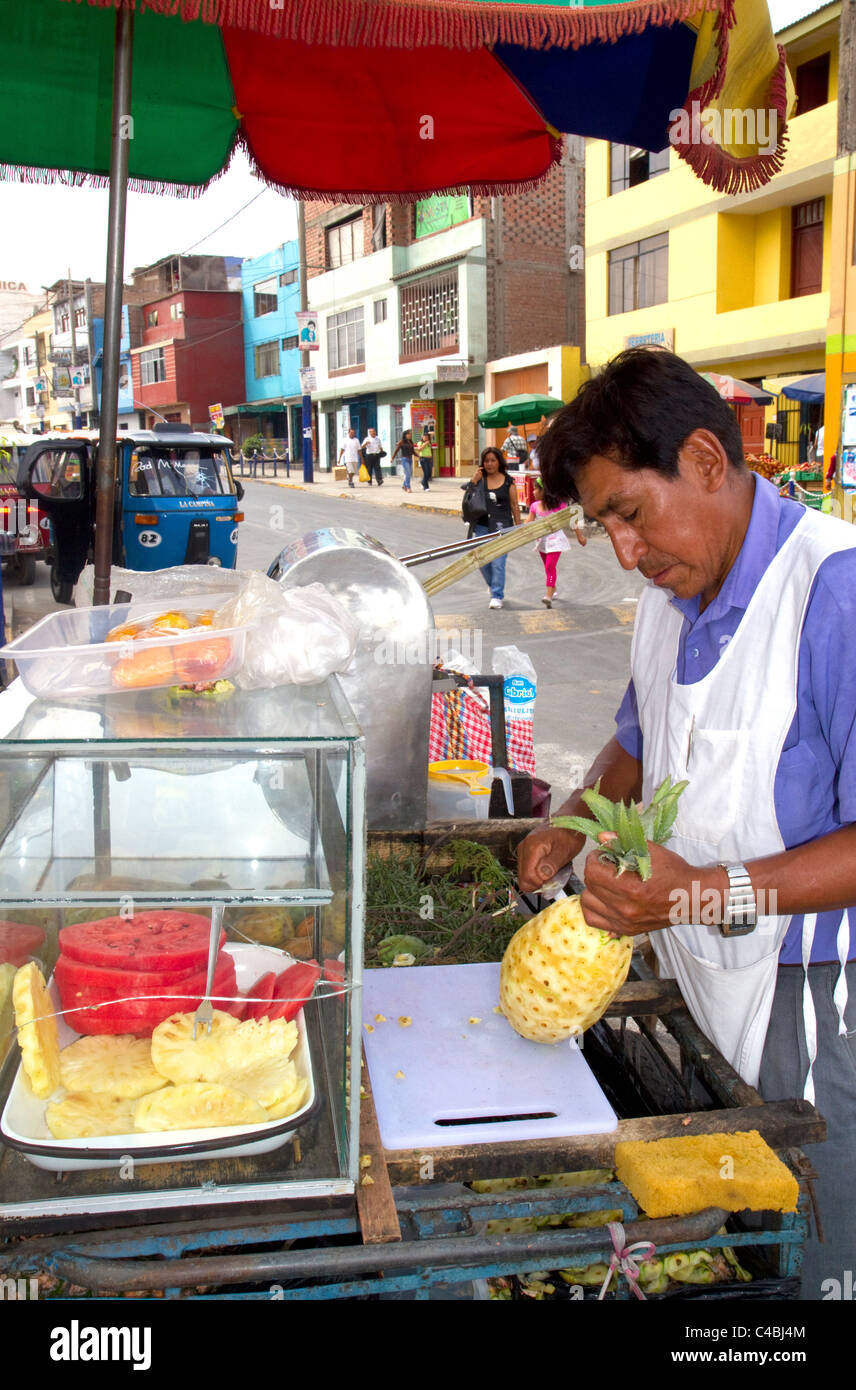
(252, 200)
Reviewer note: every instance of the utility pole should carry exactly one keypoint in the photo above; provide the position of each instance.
(306, 412)
(75, 390)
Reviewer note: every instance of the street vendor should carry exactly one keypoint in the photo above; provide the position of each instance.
(743, 682)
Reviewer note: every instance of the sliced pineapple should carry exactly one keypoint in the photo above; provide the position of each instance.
(175, 1054)
(7, 1011)
(291, 1103)
(90, 1116)
(271, 1081)
(37, 1030)
(238, 1050)
(196, 1105)
(120, 1065)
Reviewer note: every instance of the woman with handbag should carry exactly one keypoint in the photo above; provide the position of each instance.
(407, 449)
(503, 510)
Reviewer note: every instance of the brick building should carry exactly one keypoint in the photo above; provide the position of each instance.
(192, 350)
(414, 300)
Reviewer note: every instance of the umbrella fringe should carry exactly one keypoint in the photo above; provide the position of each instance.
(422, 23)
(74, 178)
(354, 195)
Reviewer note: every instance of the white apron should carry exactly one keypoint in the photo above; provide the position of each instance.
(725, 734)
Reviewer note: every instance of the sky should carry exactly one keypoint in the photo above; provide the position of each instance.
(45, 230)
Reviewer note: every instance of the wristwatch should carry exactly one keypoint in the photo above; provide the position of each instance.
(740, 914)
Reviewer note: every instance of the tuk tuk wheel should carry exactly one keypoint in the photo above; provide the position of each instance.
(25, 569)
(61, 589)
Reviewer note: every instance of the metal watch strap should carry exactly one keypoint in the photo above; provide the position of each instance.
(740, 915)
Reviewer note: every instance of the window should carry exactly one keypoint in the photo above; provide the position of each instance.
(807, 248)
(152, 366)
(345, 242)
(28, 356)
(380, 311)
(639, 274)
(80, 317)
(152, 318)
(346, 340)
(64, 321)
(629, 166)
(812, 83)
(429, 316)
(164, 472)
(31, 395)
(378, 226)
(288, 278)
(264, 297)
(176, 311)
(288, 344)
(267, 359)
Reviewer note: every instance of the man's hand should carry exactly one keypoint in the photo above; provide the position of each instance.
(628, 905)
(543, 853)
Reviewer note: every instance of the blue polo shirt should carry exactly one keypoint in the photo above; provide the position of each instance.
(815, 784)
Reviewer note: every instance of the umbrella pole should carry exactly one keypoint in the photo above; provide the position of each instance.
(105, 469)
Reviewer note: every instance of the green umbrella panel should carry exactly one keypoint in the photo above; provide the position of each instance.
(519, 410)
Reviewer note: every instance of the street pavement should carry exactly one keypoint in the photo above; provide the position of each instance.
(580, 648)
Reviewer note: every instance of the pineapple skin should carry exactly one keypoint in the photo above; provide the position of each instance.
(559, 975)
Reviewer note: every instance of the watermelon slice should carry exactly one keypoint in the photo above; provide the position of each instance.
(18, 941)
(154, 940)
(261, 993)
(140, 1016)
(293, 988)
(104, 982)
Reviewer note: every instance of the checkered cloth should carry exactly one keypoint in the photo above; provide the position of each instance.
(460, 728)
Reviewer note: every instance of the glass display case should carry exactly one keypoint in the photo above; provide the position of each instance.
(130, 806)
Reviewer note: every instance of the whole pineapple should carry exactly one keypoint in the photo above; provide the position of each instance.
(558, 973)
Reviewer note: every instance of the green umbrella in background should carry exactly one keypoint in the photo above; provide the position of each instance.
(519, 410)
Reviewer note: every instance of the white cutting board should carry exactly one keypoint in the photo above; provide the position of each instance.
(457, 1070)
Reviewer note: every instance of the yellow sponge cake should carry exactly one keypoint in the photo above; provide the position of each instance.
(673, 1177)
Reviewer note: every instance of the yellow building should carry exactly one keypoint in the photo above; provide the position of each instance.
(738, 285)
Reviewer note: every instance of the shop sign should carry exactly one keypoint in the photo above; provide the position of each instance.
(215, 414)
(308, 380)
(436, 214)
(452, 371)
(663, 337)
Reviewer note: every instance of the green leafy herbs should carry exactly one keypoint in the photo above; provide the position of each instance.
(633, 828)
(455, 903)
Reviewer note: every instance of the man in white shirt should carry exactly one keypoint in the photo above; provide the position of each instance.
(351, 451)
(372, 448)
(818, 445)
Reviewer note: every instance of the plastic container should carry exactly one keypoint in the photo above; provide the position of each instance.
(458, 790)
(66, 655)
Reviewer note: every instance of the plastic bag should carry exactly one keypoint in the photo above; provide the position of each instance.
(296, 636)
(520, 689)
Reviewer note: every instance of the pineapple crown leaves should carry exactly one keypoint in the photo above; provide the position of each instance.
(631, 827)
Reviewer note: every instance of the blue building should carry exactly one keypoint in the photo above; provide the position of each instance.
(128, 416)
(271, 297)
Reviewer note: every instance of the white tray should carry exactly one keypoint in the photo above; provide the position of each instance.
(23, 1123)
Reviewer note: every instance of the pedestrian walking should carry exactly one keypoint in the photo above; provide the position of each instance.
(550, 547)
(407, 449)
(351, 451)
(373, 451)
(426, 456)
(515, 448)
(503, 511)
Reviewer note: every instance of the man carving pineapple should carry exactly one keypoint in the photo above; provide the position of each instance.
(743, 683)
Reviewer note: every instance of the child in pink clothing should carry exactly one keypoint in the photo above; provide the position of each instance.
(550, 547)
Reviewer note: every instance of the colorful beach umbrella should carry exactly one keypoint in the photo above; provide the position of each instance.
(370, 100)
(737, 392)
(363, 99)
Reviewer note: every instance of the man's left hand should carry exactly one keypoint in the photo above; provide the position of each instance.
(628, 905)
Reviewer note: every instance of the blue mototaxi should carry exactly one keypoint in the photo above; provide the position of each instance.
(176, 501)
